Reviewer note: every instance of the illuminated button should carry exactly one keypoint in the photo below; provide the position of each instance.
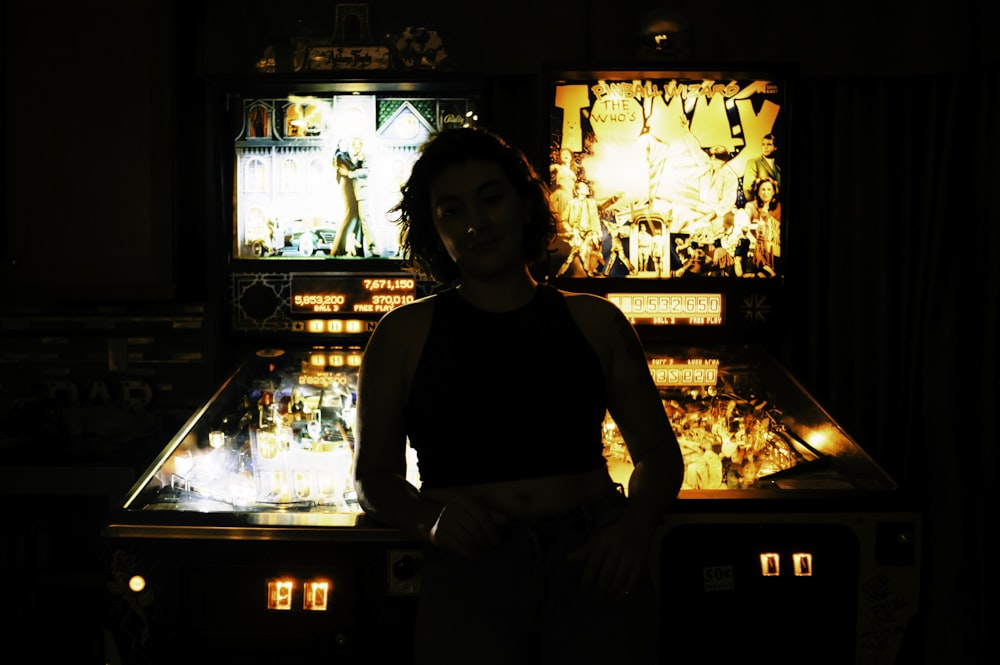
(803, 563)
(335, 326)
(316, 595)
(279, 594)
(770, 564)
(316, 325)
(137, 583)
(354, 326)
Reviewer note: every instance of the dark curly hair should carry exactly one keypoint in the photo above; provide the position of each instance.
(755, 189)
(420, 245)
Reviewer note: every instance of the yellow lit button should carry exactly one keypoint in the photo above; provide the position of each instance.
(770, 564)
(279, 594)
(316, 595)
(803, 563)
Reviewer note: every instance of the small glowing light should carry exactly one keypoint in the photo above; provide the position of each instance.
(354, 360)
(822, 439)
(770, 564)
(335, 326)
(803, 563)
(335, 360)
(316, 325)
(317, 360)
(137, 583)
(316, 595)
(279, 594)
(354, 326)
(216, 439)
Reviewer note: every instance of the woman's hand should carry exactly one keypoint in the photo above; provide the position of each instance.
(615, 558)
(466, 528)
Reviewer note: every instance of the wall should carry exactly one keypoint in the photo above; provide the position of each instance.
(853, 38)
(89, 151)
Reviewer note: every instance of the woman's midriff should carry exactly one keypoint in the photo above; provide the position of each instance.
(533, 497)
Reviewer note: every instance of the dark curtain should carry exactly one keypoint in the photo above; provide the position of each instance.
(894, 299)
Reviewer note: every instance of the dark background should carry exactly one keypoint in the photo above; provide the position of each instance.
(112, 231)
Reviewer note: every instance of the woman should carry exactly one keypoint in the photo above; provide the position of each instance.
(501, 385)
(764, 211)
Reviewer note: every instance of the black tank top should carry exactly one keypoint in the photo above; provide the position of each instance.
(505, 396)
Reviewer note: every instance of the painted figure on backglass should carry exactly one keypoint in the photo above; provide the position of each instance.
(685, 171)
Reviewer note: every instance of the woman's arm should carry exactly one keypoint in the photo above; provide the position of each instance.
(637, 409)
(617, 557)
(380, 437)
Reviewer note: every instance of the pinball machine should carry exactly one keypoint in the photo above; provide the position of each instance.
(243, 540)
(787, 539)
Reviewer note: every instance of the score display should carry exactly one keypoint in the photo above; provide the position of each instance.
(339, 294)
(671, 309)
(672, 372)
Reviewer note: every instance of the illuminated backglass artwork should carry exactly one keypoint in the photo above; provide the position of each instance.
(667, 174)
(316, 175)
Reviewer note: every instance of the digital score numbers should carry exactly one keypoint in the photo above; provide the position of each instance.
(671, 309)
(325, 294)
(670, 372)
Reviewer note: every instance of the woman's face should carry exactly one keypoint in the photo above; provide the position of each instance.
(765, 192)
(480, 218)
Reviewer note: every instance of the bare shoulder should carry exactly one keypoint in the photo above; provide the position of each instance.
(577, 299)
(592, 311)
(607, 329)
(405, 322)
(399, 337)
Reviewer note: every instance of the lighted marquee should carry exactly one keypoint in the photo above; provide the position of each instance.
(667, 174)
